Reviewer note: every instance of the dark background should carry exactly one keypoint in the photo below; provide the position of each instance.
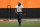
(30, 13)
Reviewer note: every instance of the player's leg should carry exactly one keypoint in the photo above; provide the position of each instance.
(19, 19)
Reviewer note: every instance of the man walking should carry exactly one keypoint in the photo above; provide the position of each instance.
(18, 11)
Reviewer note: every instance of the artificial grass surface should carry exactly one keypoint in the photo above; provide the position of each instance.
(24, 24)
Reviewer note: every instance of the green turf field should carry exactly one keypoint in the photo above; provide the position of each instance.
(24, 24)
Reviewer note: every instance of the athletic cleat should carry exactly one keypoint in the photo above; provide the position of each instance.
(19, 24)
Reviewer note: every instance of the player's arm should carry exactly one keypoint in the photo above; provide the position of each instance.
(15, 10)
(23, 11)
